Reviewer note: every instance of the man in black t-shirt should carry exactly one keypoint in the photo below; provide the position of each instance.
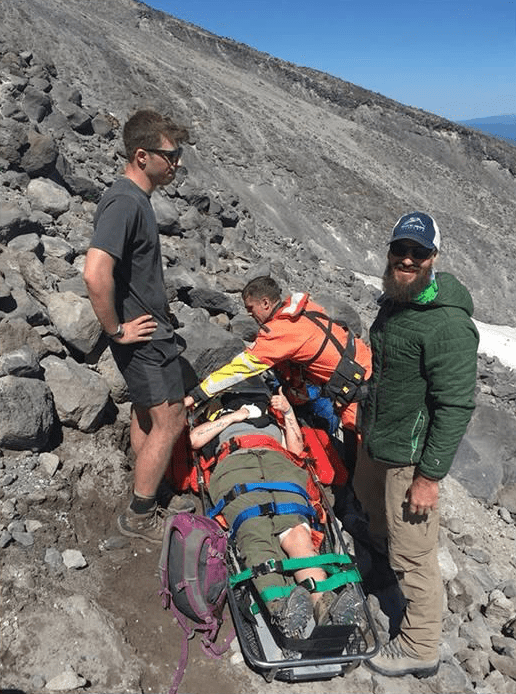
(124, 277)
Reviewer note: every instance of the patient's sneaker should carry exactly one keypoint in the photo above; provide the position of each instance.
(344, 608)
(291, 614)
(393, 661)
(148, 526)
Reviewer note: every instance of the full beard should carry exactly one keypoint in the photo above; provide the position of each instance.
(402, 292)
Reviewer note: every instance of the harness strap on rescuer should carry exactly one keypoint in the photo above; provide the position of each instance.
(346, 384)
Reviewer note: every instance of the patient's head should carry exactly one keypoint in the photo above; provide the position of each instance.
(252, 391)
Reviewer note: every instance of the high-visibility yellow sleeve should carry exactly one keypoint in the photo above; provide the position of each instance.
(243, 366)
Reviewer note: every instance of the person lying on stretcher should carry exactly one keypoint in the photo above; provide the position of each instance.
(285, 533)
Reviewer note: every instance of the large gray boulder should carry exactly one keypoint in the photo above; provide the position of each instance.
(75, 320)
(213, 301)
(77, 117)
(36, 104)
(166, 214)
(486, 460)
(81, 395)
(16, 334)
(108, 369)
(13, 138)
(26, 413)
(48, 196)
(40, 158)
(209, 346)
(36, 280)
(14, 220)
(20, 362)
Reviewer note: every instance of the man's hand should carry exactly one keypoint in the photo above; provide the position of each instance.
(279, 402)
(241, 414)
(423, 495)
(137, 330)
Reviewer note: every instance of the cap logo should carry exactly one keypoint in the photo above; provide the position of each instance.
(419, 227)
(414, 223)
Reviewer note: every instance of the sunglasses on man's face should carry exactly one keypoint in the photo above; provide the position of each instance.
(402, 250)
(171, 155)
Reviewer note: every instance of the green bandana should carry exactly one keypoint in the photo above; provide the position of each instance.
(428, 294)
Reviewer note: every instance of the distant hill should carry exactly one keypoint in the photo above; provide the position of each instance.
(503, 127)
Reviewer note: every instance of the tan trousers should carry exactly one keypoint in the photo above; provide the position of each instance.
(412, 544)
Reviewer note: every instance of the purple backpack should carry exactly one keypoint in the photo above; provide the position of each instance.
(194, 581)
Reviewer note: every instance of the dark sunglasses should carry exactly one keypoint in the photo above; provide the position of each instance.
(402, 250)
(171, 155)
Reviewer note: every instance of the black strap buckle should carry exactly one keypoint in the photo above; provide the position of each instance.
(310, 584)
(267, 567)
(236, 491)
(268, 509)
(233, 445)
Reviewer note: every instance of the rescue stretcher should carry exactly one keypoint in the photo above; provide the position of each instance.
(325, 651)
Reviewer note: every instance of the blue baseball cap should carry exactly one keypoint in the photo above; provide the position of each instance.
(419, 227)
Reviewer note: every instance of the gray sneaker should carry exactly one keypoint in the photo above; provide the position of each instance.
(344, 608)
(393, 661)
(148, 526)
(292, 614)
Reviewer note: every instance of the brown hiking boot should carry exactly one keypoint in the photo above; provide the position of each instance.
(148, 526)
(180, 504)
(322, 608)
(393, 661)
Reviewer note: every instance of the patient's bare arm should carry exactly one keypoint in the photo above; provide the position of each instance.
(202, 434)
(293, 435)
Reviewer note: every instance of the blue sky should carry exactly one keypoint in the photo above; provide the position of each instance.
(455, 58)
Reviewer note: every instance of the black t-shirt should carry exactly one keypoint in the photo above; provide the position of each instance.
(125, 227)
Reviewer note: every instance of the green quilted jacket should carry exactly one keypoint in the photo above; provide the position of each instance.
(421, 394)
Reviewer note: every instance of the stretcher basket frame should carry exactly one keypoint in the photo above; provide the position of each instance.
(260, 642)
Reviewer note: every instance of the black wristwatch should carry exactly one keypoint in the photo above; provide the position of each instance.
(119, 332)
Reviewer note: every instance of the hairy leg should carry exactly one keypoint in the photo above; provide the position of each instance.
(154, 431)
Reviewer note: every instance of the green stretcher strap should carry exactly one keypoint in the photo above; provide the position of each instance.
(338, 579)
(274, 592)
(331, 563)
(337, 566)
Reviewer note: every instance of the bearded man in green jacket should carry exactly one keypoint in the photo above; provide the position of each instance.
(420, 401)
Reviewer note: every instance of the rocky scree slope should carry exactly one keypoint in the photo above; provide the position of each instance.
(72, 613)
(318, 159)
